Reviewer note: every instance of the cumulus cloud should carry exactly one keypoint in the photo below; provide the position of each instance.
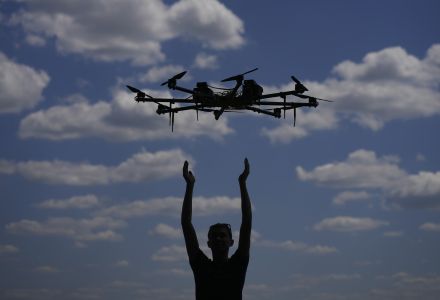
(435, 227)
(142, 166)
(21, 87)
(120, 120)
(407, 285)
(302, 281)
(202, 206)
(80, 230)
(130, 30)
(421, 184)
(171, 253)
(306, 122)
(35, 40)
(7, 167)
(159, 74)
(175, 272)
(349, 224)
(350, 196)
(297, 246)
(80, 202)
(393, 234)
(205, 61)
(167, 231)
(363, 169)
(122, 263)
(46, 269)
(389, 84)
(5, 249)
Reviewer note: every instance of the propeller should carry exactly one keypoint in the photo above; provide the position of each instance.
(324, 99)
(138, 92)
(238, 77)
(134, 90)
(172, 81)
(299, 87)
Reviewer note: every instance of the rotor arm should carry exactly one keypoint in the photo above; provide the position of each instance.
(182, 89)
(266, 112)
(165, 100)
(282, 95)
(166, 109)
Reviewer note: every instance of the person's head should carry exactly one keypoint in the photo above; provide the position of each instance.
(220, 237)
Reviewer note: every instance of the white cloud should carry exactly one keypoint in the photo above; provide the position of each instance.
(21, 86)
(306, 122)
(32, 293)
(46, 269)
(171, 253)
(80, 202)
(364, 169)
(175, 272)
(159, 74)
(167, 231)
(435, 227)
(387, 85)
(5, 249)
(122, 263)
(420, 157)
(7, 167)
(406, 285)
(35, 40)
(205, 61)
(122, 119)
(350, 196)
(80, 230)
(202, 206)
(142, 166)
(393, 234)
(208, 21)
(302, 281)
(349, 224)
(130, 30)
(297, 246)
(419, 185)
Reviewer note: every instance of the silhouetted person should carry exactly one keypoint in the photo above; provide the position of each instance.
(221, 278)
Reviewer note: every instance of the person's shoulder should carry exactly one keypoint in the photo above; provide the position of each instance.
(198, 257)
(239, 256)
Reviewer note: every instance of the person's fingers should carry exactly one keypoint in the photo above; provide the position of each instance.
(185, 168)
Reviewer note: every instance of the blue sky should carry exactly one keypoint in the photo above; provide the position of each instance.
(346, 204)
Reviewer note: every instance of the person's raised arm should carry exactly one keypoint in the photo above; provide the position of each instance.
(191, 242)
(244, 242)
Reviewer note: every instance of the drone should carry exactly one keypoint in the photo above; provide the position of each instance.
(245, 95)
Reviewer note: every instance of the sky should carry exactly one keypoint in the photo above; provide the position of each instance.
(346, 204)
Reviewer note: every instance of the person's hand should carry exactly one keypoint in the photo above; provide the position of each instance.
(188, 175)
(244, 175)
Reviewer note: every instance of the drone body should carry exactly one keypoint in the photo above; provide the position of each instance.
(245, 95)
